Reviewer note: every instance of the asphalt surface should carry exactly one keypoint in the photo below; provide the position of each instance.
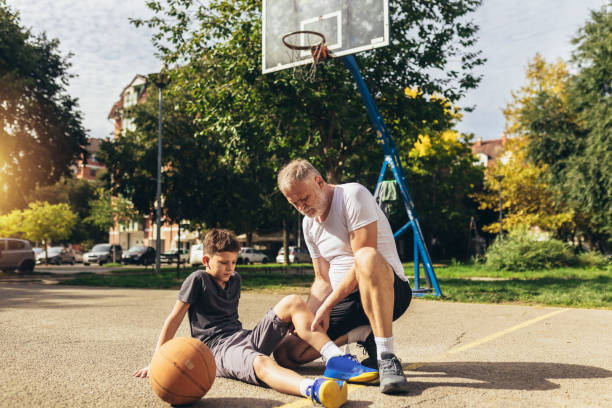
(77, 346)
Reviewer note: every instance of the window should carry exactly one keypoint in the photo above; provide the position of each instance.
(12, 244)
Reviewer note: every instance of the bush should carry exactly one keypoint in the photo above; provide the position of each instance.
(592, 259)
(521, 251)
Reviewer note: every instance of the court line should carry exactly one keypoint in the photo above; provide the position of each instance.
(300, 403)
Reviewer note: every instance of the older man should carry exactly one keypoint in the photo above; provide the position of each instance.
(359, 279)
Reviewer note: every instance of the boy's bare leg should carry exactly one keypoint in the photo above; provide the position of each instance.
(293, 308)
(292, 352)
(278, 378)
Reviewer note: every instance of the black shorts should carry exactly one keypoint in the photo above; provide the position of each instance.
(349, 313)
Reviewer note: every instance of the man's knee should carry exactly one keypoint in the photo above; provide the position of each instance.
(369, 263)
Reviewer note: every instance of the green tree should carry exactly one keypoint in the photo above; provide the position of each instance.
(11, 224)
(569, 130)
(79, 194)
(528, 199)
(108, 211)
(48, 223)
(325, 121)
(262, 121)
(41, 132)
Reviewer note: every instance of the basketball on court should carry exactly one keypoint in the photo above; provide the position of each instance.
(182, 371)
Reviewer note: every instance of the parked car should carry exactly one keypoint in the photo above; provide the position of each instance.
(139, 255)
(56, 255)
(296, 255)
(16, 254)
(78, 256)
(248, 255)
(196, 254)
(102, 253)
(171, 256)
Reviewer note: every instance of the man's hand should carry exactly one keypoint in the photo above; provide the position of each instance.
(321, 319)
(142, 373)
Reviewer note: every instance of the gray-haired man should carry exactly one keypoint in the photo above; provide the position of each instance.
(359, 278)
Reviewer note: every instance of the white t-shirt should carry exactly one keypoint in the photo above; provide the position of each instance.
(352, 207)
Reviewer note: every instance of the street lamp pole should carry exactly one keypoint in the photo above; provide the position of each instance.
(499, 178)
(160, 80)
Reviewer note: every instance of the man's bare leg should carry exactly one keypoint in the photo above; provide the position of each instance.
(375, 279)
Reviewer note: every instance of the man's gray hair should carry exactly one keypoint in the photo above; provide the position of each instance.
(296, 170)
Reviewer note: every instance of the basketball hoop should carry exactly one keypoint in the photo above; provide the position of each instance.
(300, 43)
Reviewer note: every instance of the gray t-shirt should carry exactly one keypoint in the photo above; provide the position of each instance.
(213, 311)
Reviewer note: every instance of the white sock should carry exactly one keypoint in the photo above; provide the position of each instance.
(330, 350)
(383, 345)
(359, 334)
(306, 382)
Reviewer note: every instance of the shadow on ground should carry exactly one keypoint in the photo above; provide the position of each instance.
(486, 375)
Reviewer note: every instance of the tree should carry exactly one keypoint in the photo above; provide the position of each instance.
(568, 129)
(325, 121)
(41, 132)
(528, 199)
(79, 194)
(262, 121)
(108, 211)
(47, 223)
(11, 224)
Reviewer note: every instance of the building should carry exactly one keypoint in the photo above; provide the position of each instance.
(143, 232)
(90, 168)
(488, 151)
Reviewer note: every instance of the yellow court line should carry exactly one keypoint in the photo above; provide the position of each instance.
(300, 403)
(503, 332)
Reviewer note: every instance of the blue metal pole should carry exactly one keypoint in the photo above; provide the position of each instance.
(392, 160)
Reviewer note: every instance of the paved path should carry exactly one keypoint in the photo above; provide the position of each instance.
(71, 346)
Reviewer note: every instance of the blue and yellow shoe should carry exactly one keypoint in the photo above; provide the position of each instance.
(329, 393)
(347, 368)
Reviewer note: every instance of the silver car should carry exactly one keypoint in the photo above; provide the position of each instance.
(296, 255)
(16, 254)
(102, 253)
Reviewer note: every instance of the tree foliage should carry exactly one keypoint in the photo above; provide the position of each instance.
(569, 127)
(41, 132)
(107, 210)
(238, 126)
(528, 200)
(41, 222)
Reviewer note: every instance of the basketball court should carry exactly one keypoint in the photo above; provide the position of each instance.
(65, 346)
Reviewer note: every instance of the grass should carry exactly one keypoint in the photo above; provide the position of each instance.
(566, 287)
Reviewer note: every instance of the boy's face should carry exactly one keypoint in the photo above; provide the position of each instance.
(220, 266)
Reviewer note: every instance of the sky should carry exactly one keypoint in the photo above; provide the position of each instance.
(109, 51)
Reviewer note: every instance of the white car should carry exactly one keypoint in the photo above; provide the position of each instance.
(16, 254)
(248, 255)
(196, 254)
(296, 255)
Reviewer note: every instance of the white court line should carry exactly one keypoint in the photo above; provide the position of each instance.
(304, 402)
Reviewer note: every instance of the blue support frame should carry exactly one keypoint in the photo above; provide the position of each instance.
(391, 159)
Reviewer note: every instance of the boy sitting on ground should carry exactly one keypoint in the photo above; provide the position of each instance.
(211, 297)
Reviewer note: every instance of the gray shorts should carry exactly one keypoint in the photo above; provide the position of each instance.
(235, 354)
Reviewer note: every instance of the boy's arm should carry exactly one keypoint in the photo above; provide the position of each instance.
(171, 325)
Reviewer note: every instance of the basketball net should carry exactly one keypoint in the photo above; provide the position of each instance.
(299, 45)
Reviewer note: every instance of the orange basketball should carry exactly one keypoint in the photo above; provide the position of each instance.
(182, 371)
